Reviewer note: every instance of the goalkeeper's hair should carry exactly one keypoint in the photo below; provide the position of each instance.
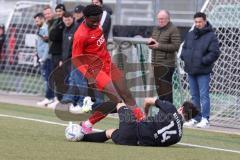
(189, 110)
(92, 10)
(200, 15)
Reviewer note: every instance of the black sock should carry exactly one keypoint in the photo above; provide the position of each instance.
(95, 137)
(106, 107)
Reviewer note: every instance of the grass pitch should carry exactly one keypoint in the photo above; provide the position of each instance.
(23, 139)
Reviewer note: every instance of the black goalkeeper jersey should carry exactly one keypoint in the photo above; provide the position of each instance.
(164, 129)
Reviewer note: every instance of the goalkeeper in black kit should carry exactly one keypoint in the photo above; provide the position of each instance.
(163, 129)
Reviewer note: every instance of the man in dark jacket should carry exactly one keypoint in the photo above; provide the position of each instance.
(55, 48)
(55, 35)
(164, 43)
(73, 78)
(67, 36)
(200, 51)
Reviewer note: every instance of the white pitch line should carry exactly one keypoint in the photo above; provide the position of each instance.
(39, 120)
(32, 119)
(98, 130)
(211, 148)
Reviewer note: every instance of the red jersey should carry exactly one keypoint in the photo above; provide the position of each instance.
(87, 42)
(91, 41)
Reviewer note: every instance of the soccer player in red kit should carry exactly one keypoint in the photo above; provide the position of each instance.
(91, 57)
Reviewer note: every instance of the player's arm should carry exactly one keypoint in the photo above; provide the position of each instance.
(165, 106)
(148, 102)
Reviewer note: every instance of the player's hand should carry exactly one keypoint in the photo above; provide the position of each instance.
(148, 102)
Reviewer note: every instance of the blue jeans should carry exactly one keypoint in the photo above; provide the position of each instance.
(199, 89)
(76, 79)
(46, 69)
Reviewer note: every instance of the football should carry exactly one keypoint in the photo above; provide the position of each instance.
(73, 132)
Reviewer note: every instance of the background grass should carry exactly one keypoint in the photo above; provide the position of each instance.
(21, 139)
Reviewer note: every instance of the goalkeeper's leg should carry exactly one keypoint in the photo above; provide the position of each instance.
(98, 136)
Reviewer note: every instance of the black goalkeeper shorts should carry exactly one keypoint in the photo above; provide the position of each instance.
(127, 132)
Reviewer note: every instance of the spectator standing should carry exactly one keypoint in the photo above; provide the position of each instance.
(73, 76)
(78, 14)
(200, 51)
(67, 36)
(49, 16)
(56, 27)
(43, 57)
(165, 42)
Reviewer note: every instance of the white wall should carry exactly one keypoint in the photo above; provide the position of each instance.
(6, 8)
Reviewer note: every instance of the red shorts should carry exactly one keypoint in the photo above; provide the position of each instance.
(104, 79)
(101, 74)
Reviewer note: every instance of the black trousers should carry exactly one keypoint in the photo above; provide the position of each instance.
(163, 81)
(57, 84)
